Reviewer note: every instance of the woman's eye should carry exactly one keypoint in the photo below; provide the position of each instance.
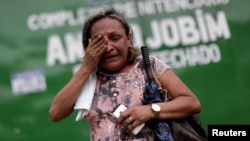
(115, 38)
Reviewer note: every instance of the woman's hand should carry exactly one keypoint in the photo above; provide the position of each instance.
(96, 48)
(134, 116)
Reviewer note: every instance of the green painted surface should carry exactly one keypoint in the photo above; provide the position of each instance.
(46, 36)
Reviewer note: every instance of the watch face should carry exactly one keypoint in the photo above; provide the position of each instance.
(156, 107)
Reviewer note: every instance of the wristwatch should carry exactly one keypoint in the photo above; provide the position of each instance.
(156, 109)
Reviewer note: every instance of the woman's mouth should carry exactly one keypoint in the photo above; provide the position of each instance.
(109, 57)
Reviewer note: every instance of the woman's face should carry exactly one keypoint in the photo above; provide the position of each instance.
(114, 60)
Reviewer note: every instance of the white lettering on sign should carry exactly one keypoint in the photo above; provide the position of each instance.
(153, 7)
(56, 53)
(50, 20)
(187, 30)
(184, 30)
(69, 17)
(190, 56)
(194, 33)
(132, 9)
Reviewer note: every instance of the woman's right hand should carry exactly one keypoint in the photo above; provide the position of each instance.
(96, 48)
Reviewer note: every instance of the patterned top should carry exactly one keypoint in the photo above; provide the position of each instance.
(122, 88)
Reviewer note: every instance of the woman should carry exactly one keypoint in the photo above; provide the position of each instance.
(107, 40)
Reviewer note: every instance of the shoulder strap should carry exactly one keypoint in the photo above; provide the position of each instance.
(160, 88)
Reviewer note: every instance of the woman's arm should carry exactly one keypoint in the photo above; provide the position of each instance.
(63, 103)
(184, 102)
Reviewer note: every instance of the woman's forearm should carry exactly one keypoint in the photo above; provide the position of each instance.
(63, 103)
(180, 107)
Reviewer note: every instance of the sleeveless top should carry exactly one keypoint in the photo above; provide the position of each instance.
(122, 88)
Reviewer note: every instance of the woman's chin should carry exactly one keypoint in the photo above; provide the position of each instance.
(110, 68)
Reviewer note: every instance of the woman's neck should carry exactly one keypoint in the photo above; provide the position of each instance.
(124, 69)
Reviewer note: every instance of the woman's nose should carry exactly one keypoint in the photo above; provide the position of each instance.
(109, 46)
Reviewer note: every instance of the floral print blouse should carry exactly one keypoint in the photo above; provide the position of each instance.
(122, 88)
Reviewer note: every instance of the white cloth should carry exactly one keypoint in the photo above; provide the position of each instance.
(84, 100)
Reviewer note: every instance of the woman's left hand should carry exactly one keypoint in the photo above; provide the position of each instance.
(134, 116)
